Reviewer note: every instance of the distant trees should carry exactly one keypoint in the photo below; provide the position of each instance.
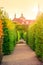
(21, 30)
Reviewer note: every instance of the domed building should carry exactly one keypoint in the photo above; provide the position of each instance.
(22, 20)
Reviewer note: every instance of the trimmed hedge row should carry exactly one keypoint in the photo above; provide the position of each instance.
(39, 38)
(9, 33)
(5, 39)
(31, 35)
(35, 37)
(9, 40)
(24, 36)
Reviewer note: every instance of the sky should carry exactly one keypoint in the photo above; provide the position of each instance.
(29, 8)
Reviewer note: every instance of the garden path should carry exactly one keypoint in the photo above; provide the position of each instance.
(22, 55)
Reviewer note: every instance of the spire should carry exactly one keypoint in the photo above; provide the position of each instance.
(15, 16)
(22, 15)
(38, 9)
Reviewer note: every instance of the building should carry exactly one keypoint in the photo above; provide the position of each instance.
(22, 20)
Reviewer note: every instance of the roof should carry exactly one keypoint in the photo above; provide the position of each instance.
(22, 20)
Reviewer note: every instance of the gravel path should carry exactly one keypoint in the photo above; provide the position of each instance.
(22, 55)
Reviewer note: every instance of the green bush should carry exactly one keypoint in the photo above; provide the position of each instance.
(6, 49)
(18, 35)
(9, 40)
(35, 37)
(39, 37)
(31, 36)
(27, 37)
(24, 36)
(12, 40)
(9, 31)
(12, 35)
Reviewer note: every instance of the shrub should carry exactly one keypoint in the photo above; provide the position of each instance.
(12, 34)
(9, 40)
(24, 36)
(39, 37)
(6, 49)
(31, 35)
(35, 36)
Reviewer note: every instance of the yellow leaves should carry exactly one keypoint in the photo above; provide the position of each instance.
(39, 17)
(38, 24)
(32, 24)
(10, 24)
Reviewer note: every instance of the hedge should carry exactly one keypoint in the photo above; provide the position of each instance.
(31, 34)
(39, 38)
(24, 36)
(35, 36)
(9, 40)
(6, 49)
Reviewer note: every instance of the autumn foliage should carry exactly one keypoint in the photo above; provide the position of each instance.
(1, 30)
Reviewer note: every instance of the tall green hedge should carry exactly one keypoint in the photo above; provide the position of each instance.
(31, 34)
(13, 38)
(39, 37)
(24, 36)
(12, 35)
(35, 36)
(9, 40)
(6, 49)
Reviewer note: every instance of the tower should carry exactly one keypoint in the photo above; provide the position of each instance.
(15, 16)
(38, 9)
(22, 15)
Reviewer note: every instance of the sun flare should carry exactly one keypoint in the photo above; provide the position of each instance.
(35, 10)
